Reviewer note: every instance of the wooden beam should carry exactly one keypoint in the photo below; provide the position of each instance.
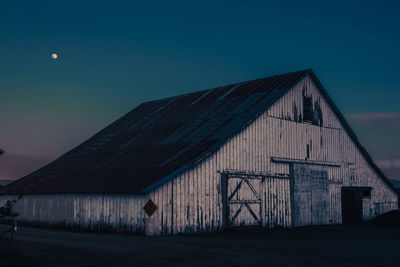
(253, 175)
(308, 162)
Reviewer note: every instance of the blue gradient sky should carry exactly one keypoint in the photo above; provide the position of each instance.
(113, 55)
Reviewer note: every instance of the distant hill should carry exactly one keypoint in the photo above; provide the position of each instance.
(396, 183)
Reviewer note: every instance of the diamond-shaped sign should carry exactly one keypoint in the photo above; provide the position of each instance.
(150, 207)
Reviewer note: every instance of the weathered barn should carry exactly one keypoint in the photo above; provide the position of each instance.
(269, 152)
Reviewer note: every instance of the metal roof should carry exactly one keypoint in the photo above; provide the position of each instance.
(159, 139)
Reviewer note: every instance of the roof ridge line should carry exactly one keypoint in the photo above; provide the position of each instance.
(226, 85)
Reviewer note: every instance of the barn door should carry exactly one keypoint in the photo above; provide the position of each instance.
(310, 195)
(243, 201)
(351, 206)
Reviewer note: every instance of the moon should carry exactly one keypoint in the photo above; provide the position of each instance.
(54, 56)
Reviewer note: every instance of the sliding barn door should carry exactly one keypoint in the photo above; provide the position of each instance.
(310, 195)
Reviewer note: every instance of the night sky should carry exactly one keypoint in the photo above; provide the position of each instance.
(113, 55)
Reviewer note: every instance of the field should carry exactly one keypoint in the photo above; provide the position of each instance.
(321, 246)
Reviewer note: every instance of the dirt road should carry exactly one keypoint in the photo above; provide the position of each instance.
(333, 246)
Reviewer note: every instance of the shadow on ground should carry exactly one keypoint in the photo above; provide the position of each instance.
(366, 244)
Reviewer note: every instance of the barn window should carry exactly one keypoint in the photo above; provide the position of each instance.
(307, 109)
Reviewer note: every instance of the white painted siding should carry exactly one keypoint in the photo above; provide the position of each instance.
(197, 205)
(193, 201)
(122, 213)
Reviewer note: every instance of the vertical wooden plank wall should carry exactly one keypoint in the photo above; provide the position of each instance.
(192, 202)
(196, 203)
(121, 213)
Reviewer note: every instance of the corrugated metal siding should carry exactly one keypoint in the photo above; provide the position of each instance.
(122, 213)
(196, 204)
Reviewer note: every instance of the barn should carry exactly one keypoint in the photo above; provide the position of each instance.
(271, 152)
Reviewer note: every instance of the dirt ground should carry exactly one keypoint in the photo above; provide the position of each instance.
(321, 246)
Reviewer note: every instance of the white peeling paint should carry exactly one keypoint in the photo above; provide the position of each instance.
(195, 200)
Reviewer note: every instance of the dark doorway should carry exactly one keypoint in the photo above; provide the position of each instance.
(352, 205)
